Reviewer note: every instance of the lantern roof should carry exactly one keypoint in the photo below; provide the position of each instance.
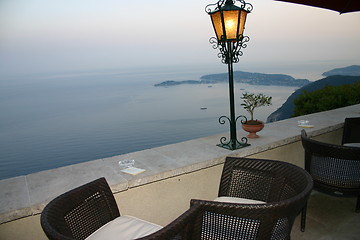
(229, 6)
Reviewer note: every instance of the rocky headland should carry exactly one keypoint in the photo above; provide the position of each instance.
(242, 77)
(335, 77)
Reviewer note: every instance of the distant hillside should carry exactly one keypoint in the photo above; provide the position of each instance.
(287, 109)
(243, 77)
(256, 79)
(353, 70)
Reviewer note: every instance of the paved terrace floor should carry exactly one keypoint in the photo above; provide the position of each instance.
(329, 218)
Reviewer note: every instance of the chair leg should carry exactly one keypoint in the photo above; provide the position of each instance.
(303, 218)
(357, 209)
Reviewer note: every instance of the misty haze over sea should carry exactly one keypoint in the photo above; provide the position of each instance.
(49, 121)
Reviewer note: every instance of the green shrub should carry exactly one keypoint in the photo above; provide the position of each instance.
(327, 98)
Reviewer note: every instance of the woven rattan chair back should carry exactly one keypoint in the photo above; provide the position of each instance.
(79, 212)
(335, 169)
(351, 133)
(261, 179)
(284, 187)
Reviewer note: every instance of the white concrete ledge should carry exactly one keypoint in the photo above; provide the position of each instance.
(27, 195)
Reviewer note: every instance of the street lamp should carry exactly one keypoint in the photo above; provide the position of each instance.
(228, 21)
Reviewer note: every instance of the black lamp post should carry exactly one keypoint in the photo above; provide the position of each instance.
(228, 21)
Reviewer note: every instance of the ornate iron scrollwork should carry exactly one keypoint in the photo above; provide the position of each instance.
(208, 8)
(244, 119)
(233, 144)
(216, 6)
(230, 144)
(235, 51)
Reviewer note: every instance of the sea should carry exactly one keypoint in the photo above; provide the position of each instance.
(57, 119)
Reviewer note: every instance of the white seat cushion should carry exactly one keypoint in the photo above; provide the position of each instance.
(238, 200)
(352, 144)
(124, 228)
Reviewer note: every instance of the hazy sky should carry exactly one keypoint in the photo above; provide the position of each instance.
(70, 35)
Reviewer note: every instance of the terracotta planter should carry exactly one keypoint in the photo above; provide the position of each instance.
(253, 128)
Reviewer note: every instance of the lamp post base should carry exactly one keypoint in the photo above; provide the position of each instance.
(231, 145)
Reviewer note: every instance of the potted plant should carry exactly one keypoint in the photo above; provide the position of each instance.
(250, 102)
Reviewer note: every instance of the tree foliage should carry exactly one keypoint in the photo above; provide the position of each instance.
(327, 98)
(252, 101)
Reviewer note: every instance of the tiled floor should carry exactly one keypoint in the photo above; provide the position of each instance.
(329, 218)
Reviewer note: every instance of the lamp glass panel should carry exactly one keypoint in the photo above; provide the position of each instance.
(231, 23)
(217, 23)
(241, 26)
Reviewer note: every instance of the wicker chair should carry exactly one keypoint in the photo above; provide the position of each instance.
(351, 133)
(284, 188)
(78, 213)
(335, 169)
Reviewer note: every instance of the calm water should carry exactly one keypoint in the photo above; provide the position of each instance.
(50, 121)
